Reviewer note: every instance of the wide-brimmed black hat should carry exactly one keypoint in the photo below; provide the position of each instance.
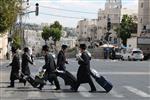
(64, 46)
(13, 49)
(83, 46)
(26, 49)
(45, 48)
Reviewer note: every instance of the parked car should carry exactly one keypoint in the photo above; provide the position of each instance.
(135, 54)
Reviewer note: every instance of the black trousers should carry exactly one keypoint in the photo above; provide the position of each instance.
(12, 83)
(50, 79)
(90, 82)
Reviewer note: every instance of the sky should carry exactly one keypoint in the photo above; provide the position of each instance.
(74, 9)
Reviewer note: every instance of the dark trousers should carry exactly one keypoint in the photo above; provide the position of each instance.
(50, 79)
(90, 82)
(12, 83)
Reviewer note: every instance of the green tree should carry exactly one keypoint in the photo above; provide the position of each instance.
(125, 29)
(9, 10)
(46, 34)
(56, 32)
(16, 41)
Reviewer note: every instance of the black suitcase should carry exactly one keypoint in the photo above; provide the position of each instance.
(28, 78)
(101, 81)
(68, 78)
(31, 81)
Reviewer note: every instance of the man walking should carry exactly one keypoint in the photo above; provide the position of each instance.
(61, 58)
(26, 59)
(15, 64)
(83, 74)
(50, 67)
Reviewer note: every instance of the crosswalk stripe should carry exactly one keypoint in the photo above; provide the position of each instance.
(116, 94)
(7, 94)
(84, 92)
(137, 91)
(60, 95)
(34, 94)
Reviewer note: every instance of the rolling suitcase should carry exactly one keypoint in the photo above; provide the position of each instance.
(68, 78)
(101, 80)
(29, 79)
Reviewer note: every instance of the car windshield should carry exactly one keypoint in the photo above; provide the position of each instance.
(137, 52)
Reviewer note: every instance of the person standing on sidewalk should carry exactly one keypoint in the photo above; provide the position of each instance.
(50, 68)
(83, 74)
(61, 58)
(15, 64)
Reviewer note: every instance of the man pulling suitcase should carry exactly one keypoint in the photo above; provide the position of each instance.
(50, 68)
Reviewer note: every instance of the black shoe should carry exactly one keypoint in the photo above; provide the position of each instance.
(10, 86)
(40, 88)
(24, 83)
(57, 89)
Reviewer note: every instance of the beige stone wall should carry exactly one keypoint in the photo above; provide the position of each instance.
(143, 15)
(3, 46)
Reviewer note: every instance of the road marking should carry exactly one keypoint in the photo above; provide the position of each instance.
(34, 94)
(136, 91)
(60, 94)
(5, 94)
(122, 73)
(84, 92)
(116, 94)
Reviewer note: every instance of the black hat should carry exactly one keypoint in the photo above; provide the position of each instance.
(83, 46)
(64, 46)
(45, 48)
(13, 49)
(26, 49)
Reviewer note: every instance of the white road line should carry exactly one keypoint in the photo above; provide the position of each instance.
(34, 94)
(60, 94)
(122, 73)
(136, 91)
(5, 94)
(116, 94)
(84, 92)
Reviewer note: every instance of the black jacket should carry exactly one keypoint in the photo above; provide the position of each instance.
(15, 67)
(26, 59)
(50, 65)
(61, 60)
(83, 74)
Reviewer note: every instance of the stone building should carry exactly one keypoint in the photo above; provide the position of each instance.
(144, 17)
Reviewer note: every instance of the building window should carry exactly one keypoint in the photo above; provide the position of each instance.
(104, 17)
(141, 20)
(142, 5)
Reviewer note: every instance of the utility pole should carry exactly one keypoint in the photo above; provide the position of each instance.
(22, 13)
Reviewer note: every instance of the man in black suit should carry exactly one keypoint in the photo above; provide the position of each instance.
(15, 64)
(83, 74)
(26, 59)
(61, 58)
(50, 68)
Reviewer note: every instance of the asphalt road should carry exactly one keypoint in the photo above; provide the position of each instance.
(131, 81)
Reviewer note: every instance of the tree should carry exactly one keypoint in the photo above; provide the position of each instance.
(125, 29)
(9, 10)
(16, 41)
(46, 34)
(56, 32)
